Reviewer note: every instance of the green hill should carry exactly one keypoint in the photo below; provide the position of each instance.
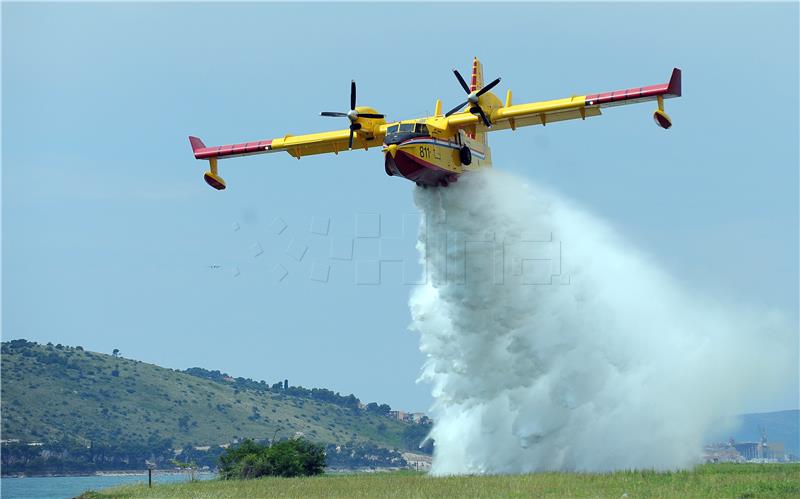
(66, 394)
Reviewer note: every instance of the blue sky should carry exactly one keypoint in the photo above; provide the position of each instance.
(109, 229)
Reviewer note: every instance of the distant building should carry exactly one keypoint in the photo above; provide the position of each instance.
(722, 453)
(419, 418)
(748, 450)
(419, 462)
(408, 417)
(773, 451)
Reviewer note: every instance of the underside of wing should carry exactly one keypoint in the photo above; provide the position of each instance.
(576, 107)
(535, 113)
(296, 145)
(326, 142)
(542, 113)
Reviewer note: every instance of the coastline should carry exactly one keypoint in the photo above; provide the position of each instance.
(103, 473)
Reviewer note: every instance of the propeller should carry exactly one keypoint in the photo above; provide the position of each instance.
(472, 98)
(352, 115)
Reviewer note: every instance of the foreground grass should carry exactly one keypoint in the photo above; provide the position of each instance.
(718, 480)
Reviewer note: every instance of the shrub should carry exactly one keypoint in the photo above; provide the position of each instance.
(294, 457)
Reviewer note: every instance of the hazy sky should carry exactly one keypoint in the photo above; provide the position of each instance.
(109, 231)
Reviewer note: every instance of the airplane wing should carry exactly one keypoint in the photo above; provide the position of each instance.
(296, 145)
(575, 107)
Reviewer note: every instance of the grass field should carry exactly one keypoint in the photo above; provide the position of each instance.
(718, 480)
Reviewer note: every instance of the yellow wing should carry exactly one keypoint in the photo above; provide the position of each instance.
(325, 142)
(370, 134)
(575, 107)
(535, 113)
(296, 145)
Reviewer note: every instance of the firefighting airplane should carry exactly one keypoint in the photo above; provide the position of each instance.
(435, 150)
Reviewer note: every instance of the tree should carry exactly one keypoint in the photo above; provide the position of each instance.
(183, 423)
(115, 352)
(416, 436)
(294, 457)
(188, 467)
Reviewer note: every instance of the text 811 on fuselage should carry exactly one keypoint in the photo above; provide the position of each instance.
(435, 150)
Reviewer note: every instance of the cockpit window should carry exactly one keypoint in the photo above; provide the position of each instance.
(401, 132)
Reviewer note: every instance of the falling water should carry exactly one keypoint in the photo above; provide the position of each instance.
(552, 344)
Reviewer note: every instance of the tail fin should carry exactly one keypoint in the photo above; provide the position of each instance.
(477, 84)
(477, 75)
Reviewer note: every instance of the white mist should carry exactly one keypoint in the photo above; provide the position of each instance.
(551, 344)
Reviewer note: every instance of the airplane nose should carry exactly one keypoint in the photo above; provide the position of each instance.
(392, 149)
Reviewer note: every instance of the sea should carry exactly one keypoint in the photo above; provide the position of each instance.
(65, 487)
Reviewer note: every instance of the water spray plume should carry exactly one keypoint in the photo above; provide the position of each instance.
(551, 344)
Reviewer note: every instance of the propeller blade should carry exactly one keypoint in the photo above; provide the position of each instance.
(370, 115)
(483, 116)
(461, 81)
(332, 113)
(352, 94)
(350, 142)
(455, 109)
(488, 87)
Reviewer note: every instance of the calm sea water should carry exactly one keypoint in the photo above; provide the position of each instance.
(64, 487)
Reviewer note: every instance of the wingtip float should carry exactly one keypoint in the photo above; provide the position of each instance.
(435, 150)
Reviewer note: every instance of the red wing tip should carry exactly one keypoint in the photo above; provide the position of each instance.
(674, 86)
(196, 143)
